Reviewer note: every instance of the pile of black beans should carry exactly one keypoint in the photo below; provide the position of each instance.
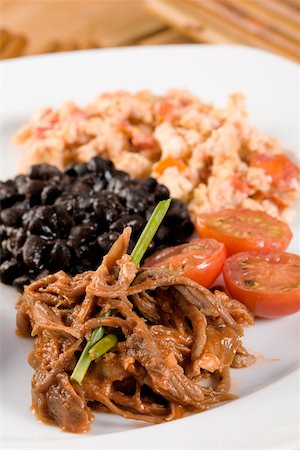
(52, 220)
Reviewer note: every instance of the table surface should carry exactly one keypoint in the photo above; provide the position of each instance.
(40, 26)
(69, 24)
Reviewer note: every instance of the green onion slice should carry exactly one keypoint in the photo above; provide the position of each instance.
(103, 346)
(149, 231)
(97, 345)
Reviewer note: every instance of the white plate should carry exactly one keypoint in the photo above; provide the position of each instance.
(267, 412)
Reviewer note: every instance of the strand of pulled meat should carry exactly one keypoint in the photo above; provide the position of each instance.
(171, 332)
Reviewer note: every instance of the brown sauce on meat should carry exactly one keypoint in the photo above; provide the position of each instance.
(172, 333)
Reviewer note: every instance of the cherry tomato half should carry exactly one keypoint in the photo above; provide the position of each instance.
(200, 260)
(267, 283)
(244, 230)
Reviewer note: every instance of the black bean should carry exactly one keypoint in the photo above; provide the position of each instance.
(92, 219)
(38, 222)
(69, 203)
(60, 255)
(75, 170)
(84, 183)
(54, 220)
(17, 237)
(8, 194)
(118, 186)
(28, 216)
(131, 245)
(21, 181)
(121, 175)
(83, 233)
(177, 210)
(89, 256)
(49, 194)
(151, 249)
(100, 165)
(149, 211)
(9, 270)
(99, 185)
(5, 244)
(35, 253)
(134, 221)
(31, 187)
(43, 172)
(161, 192)
(20, 282)
(106, 240)
(107, 206)
(184, 231)
(81, 239)
(150, 184)
(61, 221)
(3, 233)
(42, 274)
(84, 201)
(137, 202)
(81, 217)
(162, 233)
(80, 251)
(50, 220)
(4, 254)
(12, 217)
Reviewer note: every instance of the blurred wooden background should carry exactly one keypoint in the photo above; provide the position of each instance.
(40, 26)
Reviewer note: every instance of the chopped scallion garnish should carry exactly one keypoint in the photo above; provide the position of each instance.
(97, 345)
(84, 361)
(103, 346)
(149, 231)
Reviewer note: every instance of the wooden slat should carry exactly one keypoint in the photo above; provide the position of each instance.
(256, 11)
(86, 44)
(61, 25)
(167, 36)
(51, 47)
(4, 38)
(282, 8)
(183, 20)
(67, 46)
(14, 47)
(242, 26)
(227, 25)
(107, 22)
(56, 46)
(292, 3)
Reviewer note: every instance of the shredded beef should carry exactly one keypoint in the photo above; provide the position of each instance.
(172, 333)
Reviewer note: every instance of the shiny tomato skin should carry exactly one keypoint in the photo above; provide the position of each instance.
(201, 260)
(244, 230)
(267, 283)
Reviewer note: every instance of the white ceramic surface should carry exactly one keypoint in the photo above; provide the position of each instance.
(267, 413)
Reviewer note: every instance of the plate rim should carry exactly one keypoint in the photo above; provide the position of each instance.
(147, 48)
(11, 64)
